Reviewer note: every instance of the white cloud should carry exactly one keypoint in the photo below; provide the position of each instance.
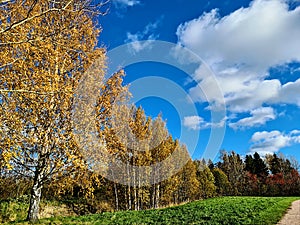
(125, 3)
(136, 44)
(289, 93)
(258, 36)
(183, 56)
(258, 117)
(270, 142)
(193, 122)
(295, 132)
(198, 123)
(147, 34)
(295, 135)
(241, 48)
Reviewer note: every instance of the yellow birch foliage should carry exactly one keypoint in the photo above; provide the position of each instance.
(45, 47)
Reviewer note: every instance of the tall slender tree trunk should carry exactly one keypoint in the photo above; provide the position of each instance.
(157, 195)
(126, 197)
(116, 191)
(156, 191)
(141, 201)
(134, 181)
(116, 196)
(139, 191)
(153, 195)
(129, 198)
(129, 189)
(134, 190)
(35, 198)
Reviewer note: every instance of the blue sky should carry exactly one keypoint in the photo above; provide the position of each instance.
(250, 52)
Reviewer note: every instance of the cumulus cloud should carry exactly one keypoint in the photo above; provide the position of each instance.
(193, 122)
(241, 48)
(258, 36)
(270, 142)
(258, 117)
(198, 123)
(147, 34)
(289, 93)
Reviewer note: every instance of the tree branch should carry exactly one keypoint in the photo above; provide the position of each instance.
(31, 92)
(8, 64)
(18, 23)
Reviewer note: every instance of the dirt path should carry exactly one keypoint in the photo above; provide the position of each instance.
(292, 217)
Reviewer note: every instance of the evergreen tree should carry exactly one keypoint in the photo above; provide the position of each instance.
(210, 164)
(207, 188)
(279, 164)
(260, 168)
(222, 184)
(275, 166)
(249, 164)
(232, 165)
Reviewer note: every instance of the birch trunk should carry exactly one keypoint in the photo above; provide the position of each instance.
(35, 198)
(153, 196)
(157, 195)
(139, 191)
(129, 189)
(116, 196)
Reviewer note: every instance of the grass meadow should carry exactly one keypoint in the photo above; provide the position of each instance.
(222, 210)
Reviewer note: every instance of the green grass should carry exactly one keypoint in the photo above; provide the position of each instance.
(224, 210)
(12, 211)
(15, 210)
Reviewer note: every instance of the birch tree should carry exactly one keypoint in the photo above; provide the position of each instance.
(158, 137)
(46, 46)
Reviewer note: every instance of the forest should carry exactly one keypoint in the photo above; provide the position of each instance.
(47, 48)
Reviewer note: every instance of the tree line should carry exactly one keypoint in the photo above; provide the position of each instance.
(273, 175)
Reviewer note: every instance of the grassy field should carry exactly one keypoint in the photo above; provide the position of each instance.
(224, 210)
